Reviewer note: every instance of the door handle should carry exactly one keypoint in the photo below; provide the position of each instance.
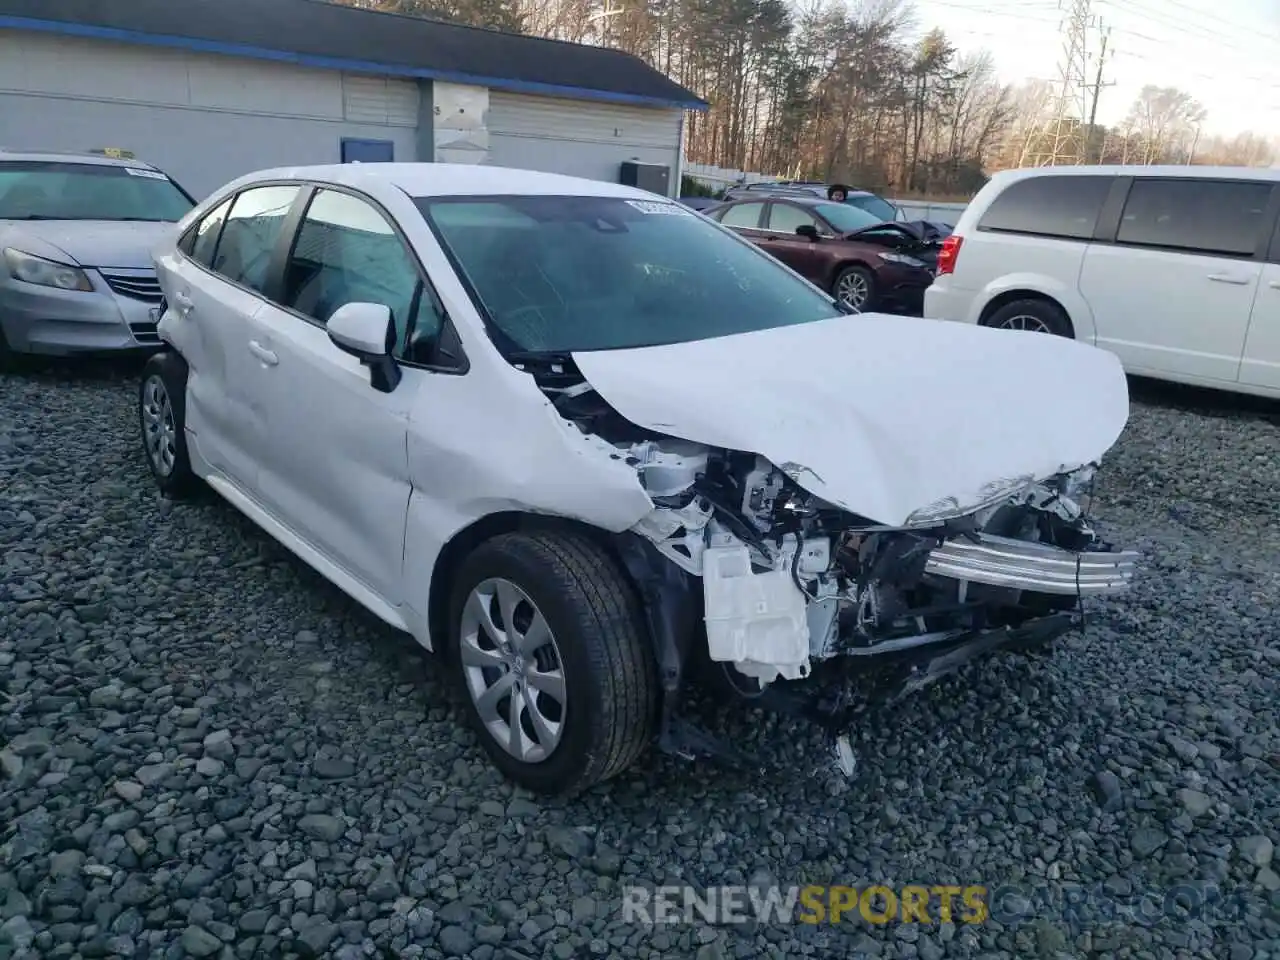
(1274, 284)
(263, 354)
(1228, 278)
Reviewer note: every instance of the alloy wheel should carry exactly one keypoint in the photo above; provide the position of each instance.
(159, 430)
(513, 670)
(852, 290)
(1025, 321)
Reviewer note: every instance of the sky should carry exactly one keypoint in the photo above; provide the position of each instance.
(1225, 53)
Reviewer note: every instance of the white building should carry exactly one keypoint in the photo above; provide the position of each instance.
(209, 91)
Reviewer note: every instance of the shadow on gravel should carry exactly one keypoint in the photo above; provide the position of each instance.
(1203, 401)
(76, 369)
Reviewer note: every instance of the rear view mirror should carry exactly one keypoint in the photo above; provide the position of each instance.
(366, 331)
(807, 230)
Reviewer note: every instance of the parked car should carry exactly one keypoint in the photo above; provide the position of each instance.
(1175, 270)
(700, 203)
(579, 439)
(863, 261)
(878, 206)
(76, 234)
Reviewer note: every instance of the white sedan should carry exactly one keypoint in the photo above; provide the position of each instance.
(581, 441)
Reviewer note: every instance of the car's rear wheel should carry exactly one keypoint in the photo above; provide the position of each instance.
(548, 643)
(162, 417)
(855, 287)
(1033, 315)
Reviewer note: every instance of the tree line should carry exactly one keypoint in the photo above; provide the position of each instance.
(853, 93)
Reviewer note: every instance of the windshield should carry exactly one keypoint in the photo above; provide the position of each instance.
(878, 207)
(562, 274)
(88, 191)
(847, 218)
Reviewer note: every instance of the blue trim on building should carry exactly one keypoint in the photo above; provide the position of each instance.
(338, 63)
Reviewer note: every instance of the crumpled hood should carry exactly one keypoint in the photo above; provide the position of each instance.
(878, 414)
(97, 243)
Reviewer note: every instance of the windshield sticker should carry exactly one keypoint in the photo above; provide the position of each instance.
(650, 206)
(149, 174)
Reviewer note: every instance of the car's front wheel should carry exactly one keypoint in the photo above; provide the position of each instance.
(549, 644)
(162, 418)
(855, 287)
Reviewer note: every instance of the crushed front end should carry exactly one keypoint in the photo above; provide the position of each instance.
(751, 575)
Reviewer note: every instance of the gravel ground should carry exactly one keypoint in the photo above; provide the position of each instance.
(206, 750)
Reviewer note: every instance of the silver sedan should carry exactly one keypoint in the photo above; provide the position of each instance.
(76, 234)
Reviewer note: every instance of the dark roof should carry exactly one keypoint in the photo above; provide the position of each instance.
(322, 34)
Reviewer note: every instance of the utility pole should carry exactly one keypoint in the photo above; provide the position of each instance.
(1095, 90)
(1061, 141)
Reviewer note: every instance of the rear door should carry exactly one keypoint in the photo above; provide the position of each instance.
(1172, 292)
(207, 321)
(746, 218)
(1260, 365)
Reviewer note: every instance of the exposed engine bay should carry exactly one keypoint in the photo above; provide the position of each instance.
(789, 580)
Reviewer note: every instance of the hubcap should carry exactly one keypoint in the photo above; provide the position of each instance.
(1024, 321)
(852, 290)
(513, 670)
(158, 430)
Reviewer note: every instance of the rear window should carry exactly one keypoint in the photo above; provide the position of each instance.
(1207, 216)
(1049, 206)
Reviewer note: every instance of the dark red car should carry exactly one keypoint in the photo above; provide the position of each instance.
(866, 263)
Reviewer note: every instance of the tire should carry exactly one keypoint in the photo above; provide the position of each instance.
(1034, 314)
(857, 277)
(162, 406)
(597, 636)
(8, 358)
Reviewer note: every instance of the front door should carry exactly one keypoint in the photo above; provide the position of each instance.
(337, 471)
(802, 254)
(1174, 293)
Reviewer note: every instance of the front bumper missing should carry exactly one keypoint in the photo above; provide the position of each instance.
(900, 674)
(1039, 567)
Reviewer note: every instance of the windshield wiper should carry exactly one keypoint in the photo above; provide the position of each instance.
(547, 357)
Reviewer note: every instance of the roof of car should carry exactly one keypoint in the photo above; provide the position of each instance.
(340, 36)
(454, 179)
(1181, 171)
(68, 156)
(803, 199)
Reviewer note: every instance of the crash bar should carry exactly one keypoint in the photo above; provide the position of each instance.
(1039, 567)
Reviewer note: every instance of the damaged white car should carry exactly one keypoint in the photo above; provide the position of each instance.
(579, 439)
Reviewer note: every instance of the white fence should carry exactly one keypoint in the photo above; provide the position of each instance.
(720, 177)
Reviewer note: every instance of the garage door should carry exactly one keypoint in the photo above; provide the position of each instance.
(579, 137)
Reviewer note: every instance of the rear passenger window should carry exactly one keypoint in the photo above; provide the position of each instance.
(742, 215)
(1206, 216)
(250, 234)
(1049, 206)
(207, 232)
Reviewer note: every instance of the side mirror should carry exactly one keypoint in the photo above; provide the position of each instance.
(366, 331)
(807, 230)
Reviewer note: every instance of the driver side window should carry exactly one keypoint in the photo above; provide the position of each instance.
(347, 252)
(785, 217)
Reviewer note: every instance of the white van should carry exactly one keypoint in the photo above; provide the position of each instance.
(1176, 270)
